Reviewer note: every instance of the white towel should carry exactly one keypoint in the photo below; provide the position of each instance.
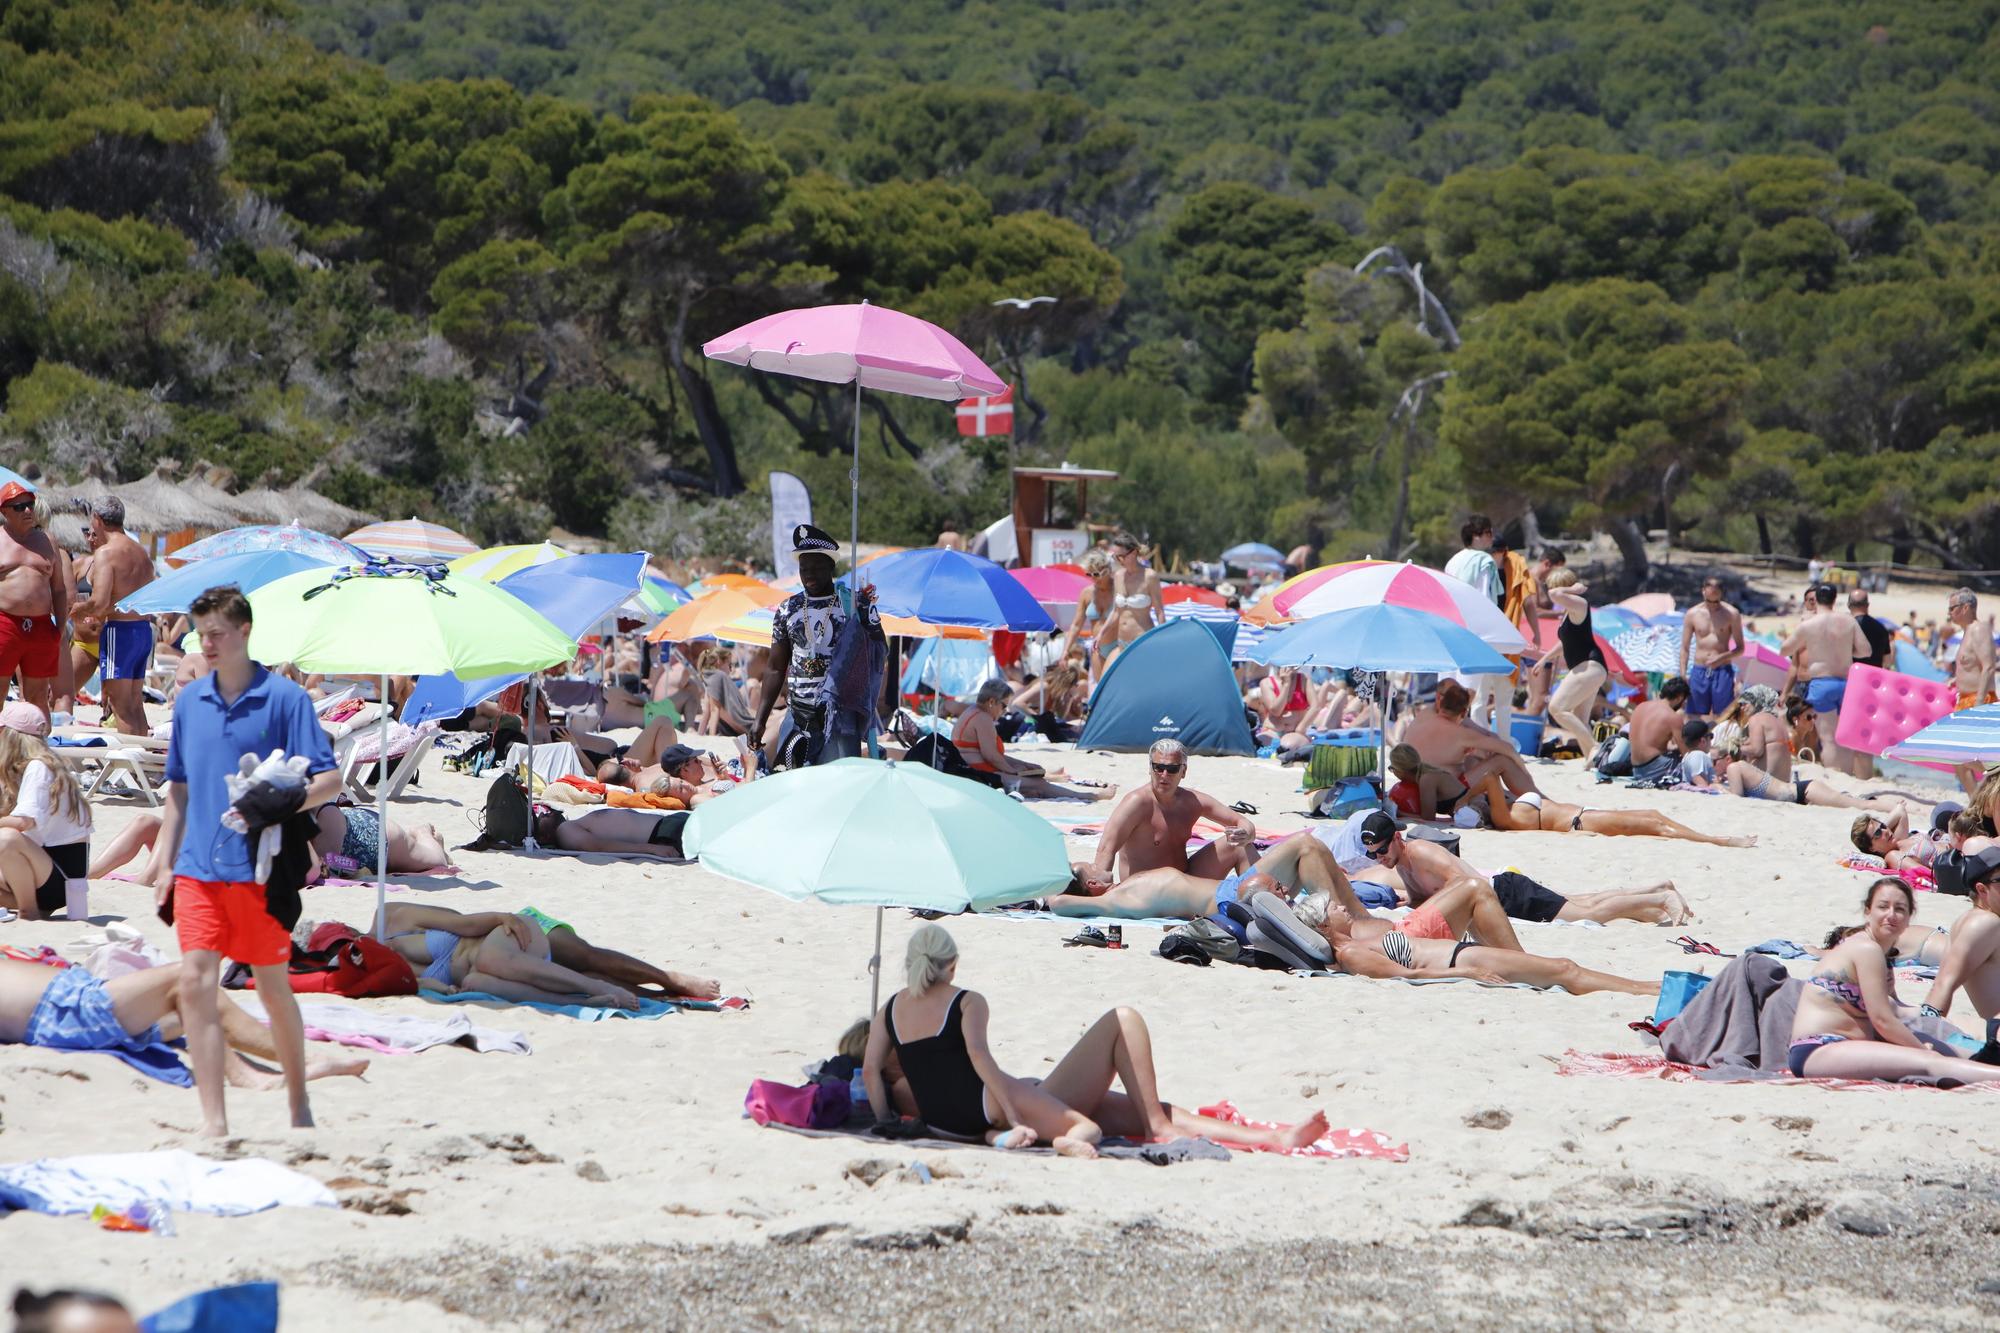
(172, 1179)
(374, 1029)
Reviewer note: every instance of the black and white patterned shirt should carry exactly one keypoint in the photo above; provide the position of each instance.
(811, 624)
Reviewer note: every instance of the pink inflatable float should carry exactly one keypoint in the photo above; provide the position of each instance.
(1884, 707)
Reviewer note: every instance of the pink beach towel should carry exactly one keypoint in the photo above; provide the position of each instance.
(1618, 1064)
(1335, 1143)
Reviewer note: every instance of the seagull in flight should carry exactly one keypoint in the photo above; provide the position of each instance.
(1024, 302)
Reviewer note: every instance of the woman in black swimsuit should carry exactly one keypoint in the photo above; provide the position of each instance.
(938, 1035)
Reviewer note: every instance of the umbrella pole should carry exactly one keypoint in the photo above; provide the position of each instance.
(528, 775)
(854, 491)
(382, 817)
(875, 968)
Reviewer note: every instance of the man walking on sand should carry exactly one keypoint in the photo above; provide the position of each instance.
(1475, 565)
(1824, 647)
(34, 598)
(1972, 670)
(119, 567)
(206, 871)
(1714, 630)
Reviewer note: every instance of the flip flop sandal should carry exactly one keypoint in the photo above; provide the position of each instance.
(1243, 808)
(1689, 944)
(1089, 936)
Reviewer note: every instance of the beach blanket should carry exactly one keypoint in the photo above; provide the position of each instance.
(1433, 981)
(1917, 877)
(1618, 1064)
(587, 1012)
(393, 1033)
(172, 1179)
(1157, 922)
(1334, 1145)
(1159, 1154)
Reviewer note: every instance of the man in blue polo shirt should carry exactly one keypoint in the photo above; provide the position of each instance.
(209, 870)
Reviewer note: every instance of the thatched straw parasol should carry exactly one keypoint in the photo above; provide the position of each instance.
(261, 504)
(316, 511)
(162, 502)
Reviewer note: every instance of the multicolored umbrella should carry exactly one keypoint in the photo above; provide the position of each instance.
(497, 562)
(1171, 593)
(1650, 648)
(1412, 587)
(414, 541)
(700, 618)
(755, 628)
(271, 537)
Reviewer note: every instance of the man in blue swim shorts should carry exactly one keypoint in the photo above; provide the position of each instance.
(119, 567)
(1825, 646)
(1713, 632)
(132, 1016)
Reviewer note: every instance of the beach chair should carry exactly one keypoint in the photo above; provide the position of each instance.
(358, 751)
(141, 759)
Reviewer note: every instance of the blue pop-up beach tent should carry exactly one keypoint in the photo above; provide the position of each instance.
(1173, 682)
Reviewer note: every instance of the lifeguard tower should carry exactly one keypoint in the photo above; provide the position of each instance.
(1037, 538)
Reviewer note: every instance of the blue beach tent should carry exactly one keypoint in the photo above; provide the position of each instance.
(1173, 682)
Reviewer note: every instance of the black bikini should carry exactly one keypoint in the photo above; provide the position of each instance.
(950, 1094)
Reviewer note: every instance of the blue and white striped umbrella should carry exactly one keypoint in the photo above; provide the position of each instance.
(1969, 735)
(1650, 647)
(1248, 634)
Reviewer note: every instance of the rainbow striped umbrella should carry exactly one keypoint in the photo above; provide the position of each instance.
(497, 562)
(412, 540)
(1381, 583)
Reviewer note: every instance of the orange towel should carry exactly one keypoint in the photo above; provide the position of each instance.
(643, 800)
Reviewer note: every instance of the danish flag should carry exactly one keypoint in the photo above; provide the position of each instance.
(988, 416)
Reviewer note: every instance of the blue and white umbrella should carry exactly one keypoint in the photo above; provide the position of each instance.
(1254, 555)
(1650, 648)
(1971, 735)
(1382, 638)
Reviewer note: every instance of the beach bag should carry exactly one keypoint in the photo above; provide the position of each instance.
(1612, 758)
(814, 1106)
(1676, 989)
(1441, 837)
(1201, 942)
(1328, 764)
(1348, 795)
(339, 960)
(508, 811)
(1948, 872)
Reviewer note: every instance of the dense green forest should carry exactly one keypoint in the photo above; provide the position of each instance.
(1730, 268)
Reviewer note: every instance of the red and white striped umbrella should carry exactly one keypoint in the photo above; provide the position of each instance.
(1361, 583)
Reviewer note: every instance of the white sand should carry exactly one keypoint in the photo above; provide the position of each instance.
(658, 1104)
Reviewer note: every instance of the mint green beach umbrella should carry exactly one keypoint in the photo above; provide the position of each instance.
(399, 620)
(879, 835)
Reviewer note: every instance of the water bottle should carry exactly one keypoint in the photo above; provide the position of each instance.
(60, 720)
(154, 1217)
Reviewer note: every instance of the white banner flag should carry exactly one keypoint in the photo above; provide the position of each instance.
(791, 505)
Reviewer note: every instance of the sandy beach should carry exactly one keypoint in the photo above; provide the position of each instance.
(612, 1174)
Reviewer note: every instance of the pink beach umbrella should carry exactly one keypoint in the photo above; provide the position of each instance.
(1057, 589)
(868, 346)
(1380, 583)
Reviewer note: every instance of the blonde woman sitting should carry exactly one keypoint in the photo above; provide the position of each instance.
(936, 1033)
(45, 839)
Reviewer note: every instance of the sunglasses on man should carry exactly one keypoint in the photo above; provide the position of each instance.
(1375, 851)
(20, 506)
(1167, 768)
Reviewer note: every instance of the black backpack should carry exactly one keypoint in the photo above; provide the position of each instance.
(508, 811)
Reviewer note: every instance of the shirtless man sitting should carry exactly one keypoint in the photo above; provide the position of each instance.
(34, 598)
(67, 1009)
(1150, 826)
(1823, 649)
(1655, 731)
(1713, 629)
(119, 567)
(1972, 670)
(1444, 736)
(1972, 959)
(1370, 843)
(620, 832)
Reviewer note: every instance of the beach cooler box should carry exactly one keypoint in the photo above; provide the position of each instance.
(1527, 734)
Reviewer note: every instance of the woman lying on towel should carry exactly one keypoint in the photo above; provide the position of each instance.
(526, 956)
(1850, 1023)
(1534, 812)
(1417, 947)
(937, 1033)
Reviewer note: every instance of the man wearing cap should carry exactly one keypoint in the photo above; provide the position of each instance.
(119, 567)
(805, 630)
(682, 771)
(1371, 840)
(1972, 960)
(1972, 671)
(34, 600)
(1824, 647)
